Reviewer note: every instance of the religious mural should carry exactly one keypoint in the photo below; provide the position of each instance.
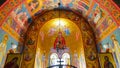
(96, 15)
(21, 16)
(8, 29)
(38, 59)
(54, 3)
(111, 45)
(13, 24)
(106, 60)
(91, 58)
(105, 28)
(60, 41)
(112, 9)
(13, 60)
(50, 4)
(51, 31)
(67, 3)
(6, 46)
(82, 61)
(33, 5)
(65, 29)
(29, 53)
(75, 60)
(89, 46)
(42, 35)
(82, 6)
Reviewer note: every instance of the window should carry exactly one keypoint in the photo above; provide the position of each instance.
(53, 59)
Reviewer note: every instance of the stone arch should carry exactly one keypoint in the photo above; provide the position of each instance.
(88, 38)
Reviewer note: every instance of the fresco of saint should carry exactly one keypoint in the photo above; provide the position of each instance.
(116, 48)
(59, 41)
(107, 63)
(3, 47)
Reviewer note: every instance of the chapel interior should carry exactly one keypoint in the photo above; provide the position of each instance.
(59, 33)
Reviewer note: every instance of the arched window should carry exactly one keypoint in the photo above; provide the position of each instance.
(66, 59)
(53, 59)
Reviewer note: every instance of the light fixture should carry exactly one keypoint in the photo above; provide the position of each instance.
(13, 46)
(59, 15)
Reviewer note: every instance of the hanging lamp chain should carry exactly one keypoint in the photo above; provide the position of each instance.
(59, 15)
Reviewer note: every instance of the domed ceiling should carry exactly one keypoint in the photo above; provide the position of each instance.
(69, 30)
(22, 13)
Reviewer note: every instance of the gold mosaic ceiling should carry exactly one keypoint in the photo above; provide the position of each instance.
(56, 24)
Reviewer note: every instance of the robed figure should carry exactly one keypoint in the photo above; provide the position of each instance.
(107, 63)
(12, 63)
(59, 41)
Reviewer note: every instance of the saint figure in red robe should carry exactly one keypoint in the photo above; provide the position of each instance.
(59, 41)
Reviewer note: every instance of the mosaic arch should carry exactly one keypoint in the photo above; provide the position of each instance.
(90, 50)
(80, 6)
